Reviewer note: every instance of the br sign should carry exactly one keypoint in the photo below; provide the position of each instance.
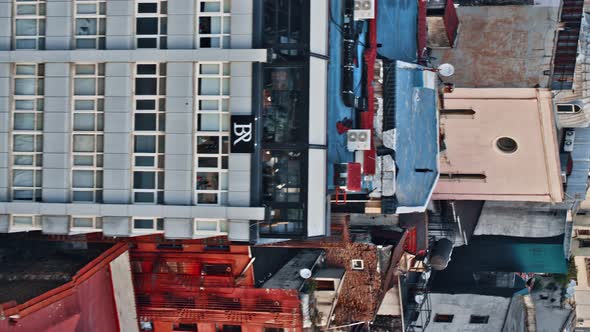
(242, 134)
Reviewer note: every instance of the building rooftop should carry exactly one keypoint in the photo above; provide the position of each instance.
(288, 276)
(32, 267)
(397, 24)
(330, 272)
(416, 135)
(359, 295)
(337, 111)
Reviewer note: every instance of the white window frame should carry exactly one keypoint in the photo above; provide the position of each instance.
(36, 224)
(354, 262)
(99, 15)
(39, 17)
(222, 227)
(97, 133)
(222, 132)
(159, 134)
(161, 37)
(145, 231)
(36, 155)
(96, 225)
(223, 37)
(573, 108)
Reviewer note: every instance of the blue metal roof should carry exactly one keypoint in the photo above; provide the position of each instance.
(577, 181)
(416, 152)
(337, 151)
(397, 28)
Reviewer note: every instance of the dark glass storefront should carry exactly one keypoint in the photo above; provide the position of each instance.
(281, 91)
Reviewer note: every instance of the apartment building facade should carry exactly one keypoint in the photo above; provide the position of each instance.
(142, 117)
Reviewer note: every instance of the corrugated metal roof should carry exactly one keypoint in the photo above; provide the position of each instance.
(577, 181)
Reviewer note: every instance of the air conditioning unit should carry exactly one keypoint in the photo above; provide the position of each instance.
(568, 141)
(364, 10)
(358, 139)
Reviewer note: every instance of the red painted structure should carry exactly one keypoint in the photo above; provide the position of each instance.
(178, 285)
(451, 22)
(422, 37)
(193, 287)
(86, 303)
(367, 117)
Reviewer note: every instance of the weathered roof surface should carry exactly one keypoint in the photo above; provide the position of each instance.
(401, 17)
(501, 46)
(416, 133)
(30, 268)
(387, 324)
(577, 181)
(360, 293)
(330, 272)
(87, 303)
(524, 219)
(288, 276)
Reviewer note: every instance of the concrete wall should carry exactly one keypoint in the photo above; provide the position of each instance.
(121, 278)
(531, 173)
(120, 25)
(240, 164)
(58, 25)
(180, 228)
(316, 193)
(582, 292)
(577, 249)
(181, 24)
(462, 306)
(120, 58)
(117, 217)
(4, 223)
(502, 46)
(241, 24)
(55, 224)
(5, 92)
(5, 25)
(57, 133)
(118, 126)
(516, 317)
(178, 186)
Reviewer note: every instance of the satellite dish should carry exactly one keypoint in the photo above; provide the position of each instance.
(305, 273)
(419, 298)
(446, 69)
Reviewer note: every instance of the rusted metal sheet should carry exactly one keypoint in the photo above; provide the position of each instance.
(501, 47)
(84, 304)
(451, 22)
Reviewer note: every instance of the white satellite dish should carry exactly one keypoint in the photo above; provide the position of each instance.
(446, 69)
(305, 273)
(419, 298)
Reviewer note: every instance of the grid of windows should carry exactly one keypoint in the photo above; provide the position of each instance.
(85, 224)
(210, 227)
(24, 223)
(148, 225)
(29, 24)
(212, 133)
(91, 24)
(283, 181)
(151, 24)
(27, 132)
(213, 23)
(88, 123)
(149, 133)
